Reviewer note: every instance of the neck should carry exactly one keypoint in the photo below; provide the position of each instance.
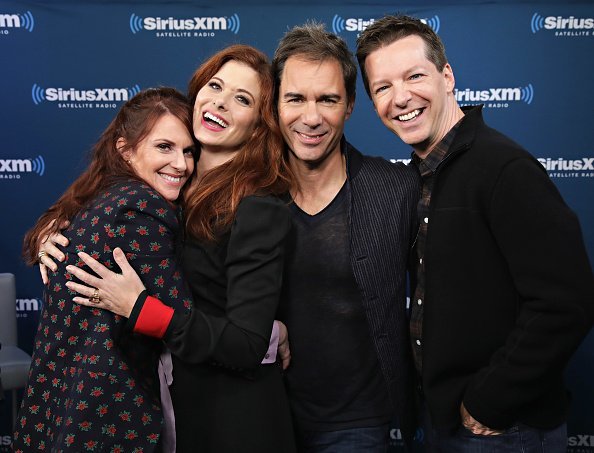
(449, 120)
(318, 184)
(210, 159)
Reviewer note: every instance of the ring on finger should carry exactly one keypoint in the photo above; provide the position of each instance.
(41, 254)
(95, 297)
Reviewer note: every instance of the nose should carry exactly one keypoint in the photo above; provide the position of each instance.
(220, 102)
(401, 95)
(311, 115)
(179, 161)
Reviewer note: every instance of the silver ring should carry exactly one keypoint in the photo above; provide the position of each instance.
(41, 254)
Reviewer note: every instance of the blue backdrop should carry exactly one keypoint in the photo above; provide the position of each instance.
(67, 67)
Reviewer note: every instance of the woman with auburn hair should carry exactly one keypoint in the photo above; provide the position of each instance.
(228, 394)
(92, 387)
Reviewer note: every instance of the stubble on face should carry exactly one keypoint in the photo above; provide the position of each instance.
(313, 108)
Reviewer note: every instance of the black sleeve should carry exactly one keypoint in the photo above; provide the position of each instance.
(253, 267)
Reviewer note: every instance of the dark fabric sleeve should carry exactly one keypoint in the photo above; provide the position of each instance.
(145, 226)
(541, 240)
(130, 215)
(255, 256)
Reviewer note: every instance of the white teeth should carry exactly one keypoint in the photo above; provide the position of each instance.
(171, 178)
(409, 116)
(211, 117)
(310, 136)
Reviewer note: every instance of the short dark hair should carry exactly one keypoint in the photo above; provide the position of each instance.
(388, 29)
(312, 42)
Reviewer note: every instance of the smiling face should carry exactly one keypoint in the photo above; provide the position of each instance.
(226, 108)
(164, 158)
(312, 108)
(412, 98)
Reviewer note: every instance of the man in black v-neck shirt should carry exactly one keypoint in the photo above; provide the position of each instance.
(339, 385)
(344, 289)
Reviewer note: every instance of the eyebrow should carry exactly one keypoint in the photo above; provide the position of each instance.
(291, 94)
(325, 96)
(330, 97)
(240, 90)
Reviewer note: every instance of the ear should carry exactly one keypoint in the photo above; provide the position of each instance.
(448, 75)
(349, 109)
(126, 153)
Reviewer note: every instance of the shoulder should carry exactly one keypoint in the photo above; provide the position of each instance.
(268, 204)
(373, 167)
(265, 213)
(488, 145)
(133, 202)
(133, 190)
(132, 195)
(382, 173)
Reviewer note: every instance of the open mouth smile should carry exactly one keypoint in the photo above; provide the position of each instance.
(209, 117)
(172, 179)
(311, 138)
(410, 116)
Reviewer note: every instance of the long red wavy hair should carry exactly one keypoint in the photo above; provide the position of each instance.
(133, 122)
(257, 169)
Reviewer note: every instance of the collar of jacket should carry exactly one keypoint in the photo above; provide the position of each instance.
(473, 117)
(354, 158)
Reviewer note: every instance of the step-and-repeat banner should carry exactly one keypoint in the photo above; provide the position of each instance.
(66, 68)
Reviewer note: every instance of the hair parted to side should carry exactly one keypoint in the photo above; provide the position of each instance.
(133, 122)
(312, 42)
(257, 169)
(388, 29)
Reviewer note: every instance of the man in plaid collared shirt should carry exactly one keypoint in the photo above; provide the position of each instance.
(495, 316)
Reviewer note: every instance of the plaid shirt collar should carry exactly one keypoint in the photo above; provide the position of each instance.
(429, 164)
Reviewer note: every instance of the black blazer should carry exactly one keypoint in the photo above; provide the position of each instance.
(382, 217)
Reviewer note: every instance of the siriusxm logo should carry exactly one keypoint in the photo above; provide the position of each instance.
(28, 305)
(404, 161)
(39, 94)
(539, 22)
(358, 24)
(24, 20)
(433, 22)
(583, 164)
(72, 98)
(12, 168)
(581, 440)
(194, 24)
(352, 24)
(5, 440)
(396, 434)
(568, 168)
(496, 95)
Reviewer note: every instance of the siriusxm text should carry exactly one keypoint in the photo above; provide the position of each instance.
(586, 163)
(196, 23)
(492, 94)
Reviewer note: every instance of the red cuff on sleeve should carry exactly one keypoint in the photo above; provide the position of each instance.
(154, 318)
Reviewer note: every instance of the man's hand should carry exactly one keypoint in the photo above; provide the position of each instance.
(474, 426)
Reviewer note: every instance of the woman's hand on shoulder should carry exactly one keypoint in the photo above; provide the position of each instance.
(111, 291)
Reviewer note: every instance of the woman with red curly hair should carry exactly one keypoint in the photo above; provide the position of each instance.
(228, 394)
